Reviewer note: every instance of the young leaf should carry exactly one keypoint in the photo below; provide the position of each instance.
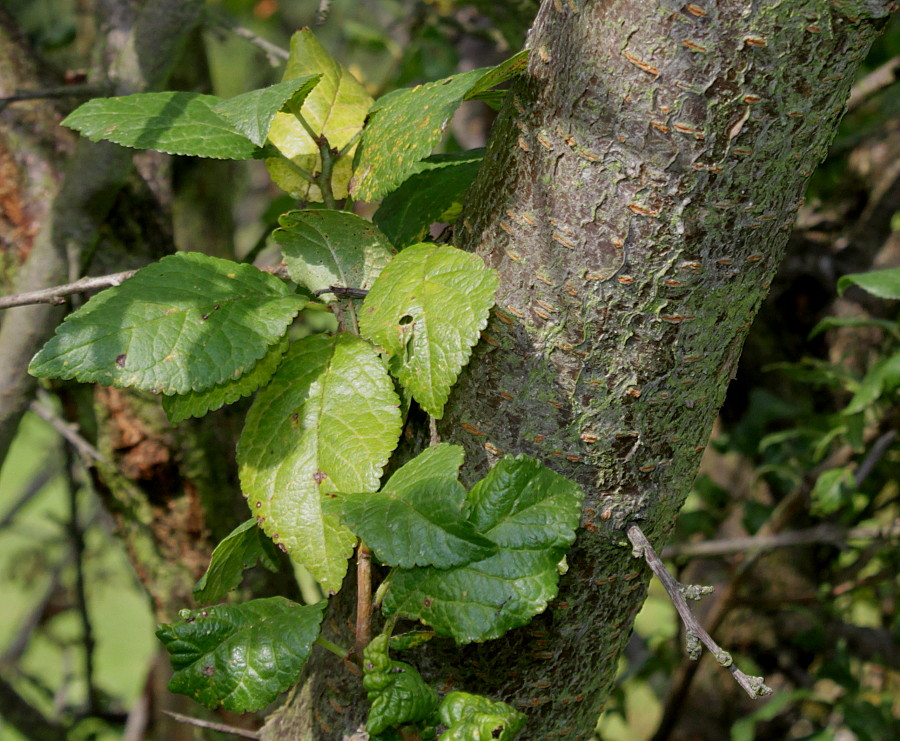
(407, 124)
(197, 403)
(403, 130)
(251, 114)
(335, 109)
(396, 691)
(331, 248)
(172, 122)
(881, 378)
(185, 323)
(476, 718)
(434, 193)
(417, 519)
(239, 550)
(880, 283)
(240, 657)
(427, 309)
(531, 513)
(326, 422)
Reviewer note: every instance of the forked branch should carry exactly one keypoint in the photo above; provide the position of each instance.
(755, 687)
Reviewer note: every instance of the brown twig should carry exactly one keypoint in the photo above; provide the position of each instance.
(56, 294)
(363, 598)
(209, 725)
(873, 83)
(755, 687)
(819, 534)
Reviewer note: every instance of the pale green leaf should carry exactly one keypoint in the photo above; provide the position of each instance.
(251, 114)
(880, 283)
(331, 248)
(531, 513)
(326, 423)
(434, 193)
(240, 657)
(403, 130)
(406, 125)
(197, 403)
(172, 122)
(335, 109)
(239, 550)
(832, 490)
(417, 519)
(185, 323)
(883, 377)
(427, 310)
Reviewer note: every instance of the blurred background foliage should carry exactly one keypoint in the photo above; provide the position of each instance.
(804, 458)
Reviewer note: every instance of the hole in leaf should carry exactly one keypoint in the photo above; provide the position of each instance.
(406, 319)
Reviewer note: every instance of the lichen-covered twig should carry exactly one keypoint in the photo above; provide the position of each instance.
(679, 593)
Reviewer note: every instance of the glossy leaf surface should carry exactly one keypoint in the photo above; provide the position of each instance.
(418, 519)
(396, 691)
(326, 422)
(476, 718)
(531, 513)
(185, 323)
(880, 283)
(240, 657)
(427, 310)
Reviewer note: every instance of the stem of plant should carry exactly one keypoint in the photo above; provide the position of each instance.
(333, 647)
(363, 598)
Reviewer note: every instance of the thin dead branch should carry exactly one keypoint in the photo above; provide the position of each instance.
(873, 83)
(755, 687)
(57, 294)
(209, 725)
(820, 534)
(69, 432)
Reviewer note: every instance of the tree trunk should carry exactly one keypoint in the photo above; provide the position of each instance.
(638, 191)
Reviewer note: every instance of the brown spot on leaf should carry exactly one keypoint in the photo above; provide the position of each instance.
(120, 360)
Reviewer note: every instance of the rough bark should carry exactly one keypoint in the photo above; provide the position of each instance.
(636, 198)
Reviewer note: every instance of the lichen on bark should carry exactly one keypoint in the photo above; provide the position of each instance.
(637, 194)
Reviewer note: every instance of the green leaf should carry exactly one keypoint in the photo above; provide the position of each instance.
(403, 130)
(396, 691)
(880, 283)
(331, 248)
(326, 422)
(882, 377)
(406, 125)
(531, 513)
(240, 657)
(197, 403)
(504, 71)
(251, 114)
(417, 519)
(832, 322)
(832, 490)
(427, 310)
(185, 323)
(434, 193)
(239, 550)
(172, 122)
(476, 718)
(336, 109)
